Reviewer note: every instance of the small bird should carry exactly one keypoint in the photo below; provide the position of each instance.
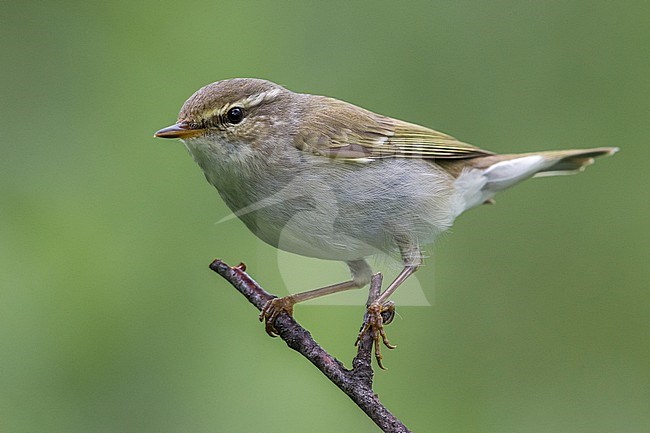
(323, 178)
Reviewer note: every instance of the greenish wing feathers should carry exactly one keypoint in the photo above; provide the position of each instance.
(341, 130)
(411, 140)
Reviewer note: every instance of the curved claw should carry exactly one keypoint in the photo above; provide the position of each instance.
(374, 324)
(272, 309)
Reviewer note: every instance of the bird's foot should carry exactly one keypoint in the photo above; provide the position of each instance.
(377, 315)
(272, 309)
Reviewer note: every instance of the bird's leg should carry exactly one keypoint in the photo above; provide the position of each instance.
(380, 307)
(401, 277)
(273, 308)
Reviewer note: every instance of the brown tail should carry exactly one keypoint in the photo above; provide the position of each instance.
(504, 171)
(558, 162)
(572, 161)
(490, 174)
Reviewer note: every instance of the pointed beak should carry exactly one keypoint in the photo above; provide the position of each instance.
(178, 130)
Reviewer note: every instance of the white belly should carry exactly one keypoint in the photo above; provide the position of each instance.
(341, 210)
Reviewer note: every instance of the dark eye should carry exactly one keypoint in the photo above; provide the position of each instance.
(235, 115)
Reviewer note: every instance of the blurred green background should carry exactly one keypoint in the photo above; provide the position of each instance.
(110, 320)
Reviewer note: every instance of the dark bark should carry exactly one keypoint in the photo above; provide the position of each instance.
(355, 383)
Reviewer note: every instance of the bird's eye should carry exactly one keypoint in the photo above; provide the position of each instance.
(235, 115)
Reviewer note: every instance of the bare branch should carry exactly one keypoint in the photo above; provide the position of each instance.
(355, 383)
